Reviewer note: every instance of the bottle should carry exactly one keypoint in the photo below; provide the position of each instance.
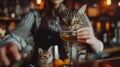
(56, 52)
(98, 29)
(107, 34)
(18, 10)
(113, 35)
(5, 9)
(118, 32)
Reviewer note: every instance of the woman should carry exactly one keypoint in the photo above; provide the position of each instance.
(42, 25)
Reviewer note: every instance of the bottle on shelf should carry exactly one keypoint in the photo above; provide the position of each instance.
(5, 9)
(107, 34)
(18, 10)
(113, 40)
(98, 29)
(117, 32)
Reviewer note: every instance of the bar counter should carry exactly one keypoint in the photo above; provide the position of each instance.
(109, 62)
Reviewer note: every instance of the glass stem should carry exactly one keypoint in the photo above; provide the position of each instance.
(70, 44)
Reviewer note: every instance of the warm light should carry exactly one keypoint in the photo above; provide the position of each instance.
(107, 26)
(38, 1)
(98, 25)
(39, 4)
(108, 2)
(119, 4)
(13, 15)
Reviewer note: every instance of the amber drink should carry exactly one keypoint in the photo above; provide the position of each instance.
(69, 36)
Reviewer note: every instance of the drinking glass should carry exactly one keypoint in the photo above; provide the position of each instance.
(69, 37)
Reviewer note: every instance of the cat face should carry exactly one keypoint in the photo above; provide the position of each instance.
(45, 57)
(73, 19)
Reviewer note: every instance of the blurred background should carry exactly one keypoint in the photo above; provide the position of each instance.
(103, 14)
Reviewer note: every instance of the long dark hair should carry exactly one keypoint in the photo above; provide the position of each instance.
(49, 8)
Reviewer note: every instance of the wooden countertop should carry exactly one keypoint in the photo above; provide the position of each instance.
(110, 62)
(111, 49)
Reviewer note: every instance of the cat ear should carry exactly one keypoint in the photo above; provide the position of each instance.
(40, 50)
(82, 9)
(50, 49)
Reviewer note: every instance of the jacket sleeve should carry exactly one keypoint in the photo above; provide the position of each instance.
(22, 31)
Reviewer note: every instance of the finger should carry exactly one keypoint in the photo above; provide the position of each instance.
(84, 36)
(91, 41)
(82, 40)
(15, 52)
(88, 31)
(83, 33)
(83, 29)
(3, 57)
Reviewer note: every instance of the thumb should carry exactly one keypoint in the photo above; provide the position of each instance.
(26, 51)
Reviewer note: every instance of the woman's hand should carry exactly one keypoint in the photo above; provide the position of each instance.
(9, 49)
(86, 35)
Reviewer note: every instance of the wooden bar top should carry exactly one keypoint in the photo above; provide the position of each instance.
(110, 62)
(111, 49)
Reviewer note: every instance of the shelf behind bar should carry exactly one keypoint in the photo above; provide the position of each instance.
(8, 19)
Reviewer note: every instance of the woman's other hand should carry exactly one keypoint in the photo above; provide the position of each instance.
(9, 49)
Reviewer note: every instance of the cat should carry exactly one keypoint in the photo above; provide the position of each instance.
(73, 20)
(45, 57)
